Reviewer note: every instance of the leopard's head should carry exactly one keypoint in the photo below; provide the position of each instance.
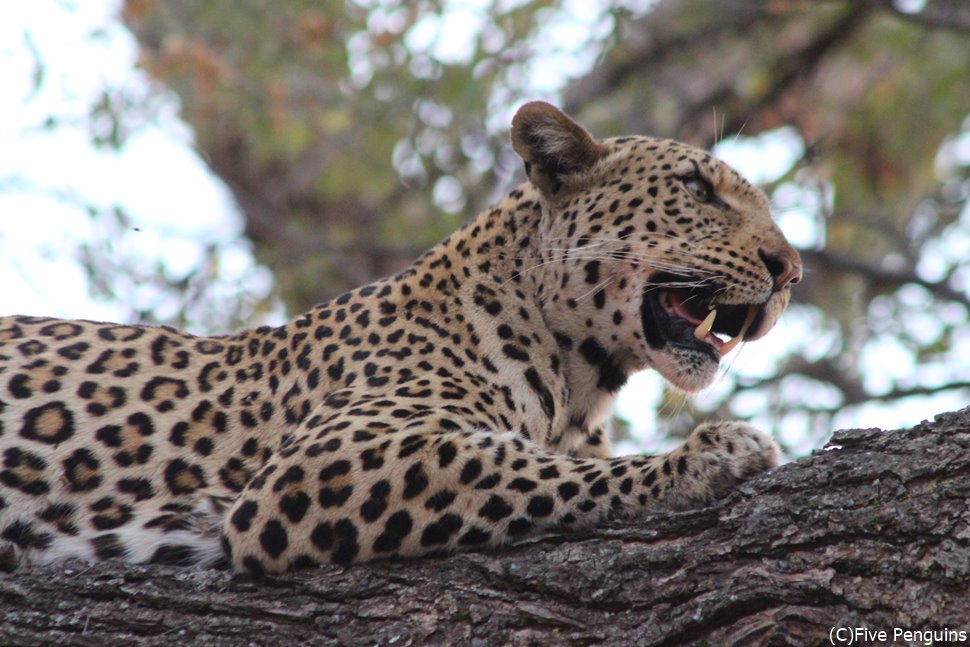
(653, 250)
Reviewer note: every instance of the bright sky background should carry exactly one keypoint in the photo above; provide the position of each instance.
(157, 175)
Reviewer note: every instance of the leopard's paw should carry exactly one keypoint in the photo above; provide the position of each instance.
(715, 458)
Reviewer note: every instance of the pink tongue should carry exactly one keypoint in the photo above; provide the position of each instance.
(680, 310)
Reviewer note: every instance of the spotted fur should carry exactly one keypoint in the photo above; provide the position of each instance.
(459, 404)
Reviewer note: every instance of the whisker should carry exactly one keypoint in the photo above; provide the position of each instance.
(596, 288)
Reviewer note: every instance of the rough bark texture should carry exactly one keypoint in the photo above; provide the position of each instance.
(872, 531)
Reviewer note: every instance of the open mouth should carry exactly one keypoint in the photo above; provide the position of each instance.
(690, 317)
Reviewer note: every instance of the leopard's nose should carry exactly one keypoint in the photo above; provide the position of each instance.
(785, 266)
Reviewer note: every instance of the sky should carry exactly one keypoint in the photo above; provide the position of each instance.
(47, 173)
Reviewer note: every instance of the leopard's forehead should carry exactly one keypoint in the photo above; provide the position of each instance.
(672, 156)
(636, 155)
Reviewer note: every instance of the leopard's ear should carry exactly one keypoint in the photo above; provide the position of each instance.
(556, 150)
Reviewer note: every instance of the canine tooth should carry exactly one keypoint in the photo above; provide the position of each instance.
(728, 346)
(704, 327)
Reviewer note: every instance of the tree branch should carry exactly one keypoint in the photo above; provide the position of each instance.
(788, 70)
(872, 532)
(826, 371)
(880, 275)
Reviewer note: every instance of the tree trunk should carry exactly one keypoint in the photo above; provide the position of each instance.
(873, 531)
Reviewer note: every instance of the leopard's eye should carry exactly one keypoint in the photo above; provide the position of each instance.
(699, 188)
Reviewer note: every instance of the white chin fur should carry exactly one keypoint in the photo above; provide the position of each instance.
(689, 371)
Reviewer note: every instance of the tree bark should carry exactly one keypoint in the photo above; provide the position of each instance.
(872, 531)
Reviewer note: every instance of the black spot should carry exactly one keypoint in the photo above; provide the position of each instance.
(371, 459)
(243, 516)
(140, 488)
(273, 539)
(440, 531)
(514, 352)
(599, 488)
(362, 435)
(495, 509)
(411, 444)
(110, 435)
(174, 555)
(542, 391)
(345, 536)
(293, 474)
(204, 446)
(331, 445)
(475, 537)
(549, 472)
(563, 341)
(18, 386)
(336, 370)
(682, 465)
(611, 377)
(396, 528)
(440, 500)
(333, 497)
(522, 485)
(253, 566)
(295, 505)
(567, 490)
(415, 481)
(301, 562)
(489, 481)
(337, 468)
(446, 454)
(471, 471)
(540, 506)
(374, 507)
(108, 546)
(322, 536)
(520, 526)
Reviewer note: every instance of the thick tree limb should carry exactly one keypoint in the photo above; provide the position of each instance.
(874, 531)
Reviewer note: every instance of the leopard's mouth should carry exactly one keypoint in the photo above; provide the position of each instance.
(676, 311)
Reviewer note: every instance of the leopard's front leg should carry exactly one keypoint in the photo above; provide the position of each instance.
(714, 459)
(378, 479)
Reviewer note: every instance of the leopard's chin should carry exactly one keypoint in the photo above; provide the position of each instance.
(688, 331)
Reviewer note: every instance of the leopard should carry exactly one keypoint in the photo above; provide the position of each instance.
(463, 403)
